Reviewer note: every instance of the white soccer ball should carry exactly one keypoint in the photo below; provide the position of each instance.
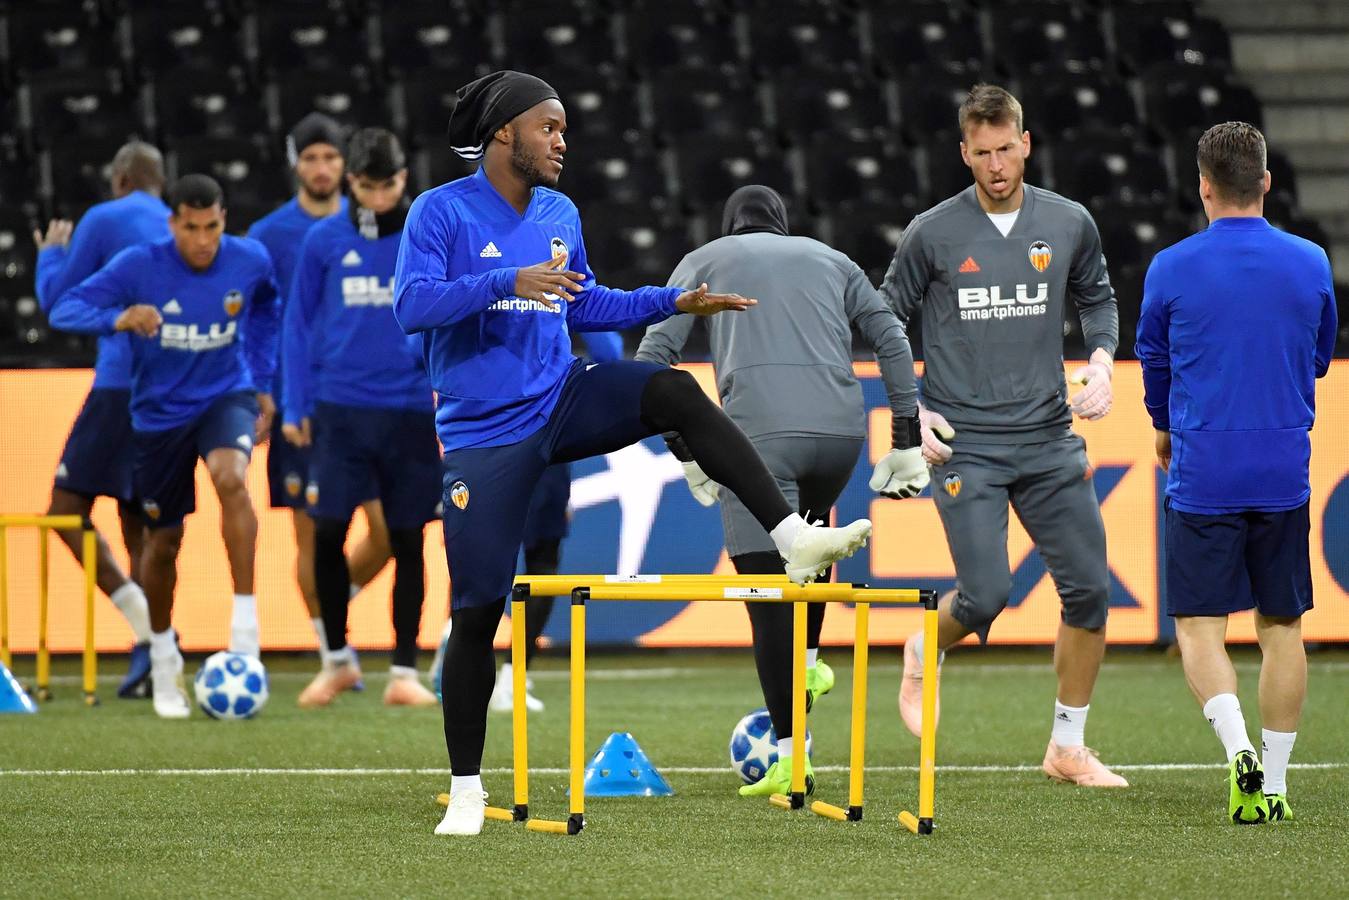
(754, 745)
(231, 686)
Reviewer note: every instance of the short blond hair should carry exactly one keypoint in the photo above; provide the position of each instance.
(988, 104)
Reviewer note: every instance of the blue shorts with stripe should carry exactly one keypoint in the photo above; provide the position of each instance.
(99, 455)
(1221, 564)
(488, 490)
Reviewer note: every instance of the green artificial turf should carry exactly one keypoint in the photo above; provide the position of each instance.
(90, 833)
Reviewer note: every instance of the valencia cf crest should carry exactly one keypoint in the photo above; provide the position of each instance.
(234, 301)
(1040, 254)
(558, 247)
(293, 484)
(311, 493)
(952, 484)
(151, 509)
(459, 495)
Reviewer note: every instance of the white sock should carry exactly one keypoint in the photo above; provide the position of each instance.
(1070, 722)
(1224, 714)
(920, 647)
(504, 677)
(465, 783)
(355, 589)
(163, 643)
(339, 657)
(403, 672)
(322, 634)
(1277, 746)
(786, 531)
(785, 747)
(812, 657)
(130, 599)
(244, 626)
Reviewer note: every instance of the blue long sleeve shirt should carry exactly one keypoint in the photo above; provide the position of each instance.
(341, 343)
(105, 230)
(497, 361)
(1237, 324)
(219, 333)
(282, 232)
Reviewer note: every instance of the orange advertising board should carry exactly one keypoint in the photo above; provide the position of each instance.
(612, 531)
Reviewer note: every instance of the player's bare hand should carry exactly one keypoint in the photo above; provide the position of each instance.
(299, 435)
(266, 412)
(1096, 396)
(699, 302)
(548, 281)
(142, 319)
(935, 430)
(1163, 446)
(58, 234)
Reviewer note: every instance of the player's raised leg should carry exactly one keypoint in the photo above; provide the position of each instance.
(228, 468)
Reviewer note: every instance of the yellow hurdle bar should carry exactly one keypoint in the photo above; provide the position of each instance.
(89, 555)
(519, 712)
(797, 799)
(8, 520)
(576, 821)
(754, 590)
(4, 596)
(927, 743)
(44, 656)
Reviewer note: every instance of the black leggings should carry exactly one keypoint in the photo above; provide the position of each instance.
(332, 578)
(671, 401)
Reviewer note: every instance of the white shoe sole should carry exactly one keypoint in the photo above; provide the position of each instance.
(459, 827)
(858, 533)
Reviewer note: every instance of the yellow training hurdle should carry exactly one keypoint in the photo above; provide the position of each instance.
(89, 558)
(771, 589)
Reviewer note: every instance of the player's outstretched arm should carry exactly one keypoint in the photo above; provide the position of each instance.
(105, 302)
(701, 302)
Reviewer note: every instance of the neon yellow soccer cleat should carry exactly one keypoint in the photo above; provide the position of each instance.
(819, 681)
(778, 780)
(1279, 810)
(1246, 802)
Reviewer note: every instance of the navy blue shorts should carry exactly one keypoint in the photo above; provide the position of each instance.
(1217, 565)
(394, 449)
(547, 518)
(100, 453)
(488, 490)
(287, 470)
(166, 461)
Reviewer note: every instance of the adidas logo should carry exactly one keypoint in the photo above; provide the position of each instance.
(351, 259)
(62, 471)
(1063, 717)
(490, 251)
(172, 307)
(969, 265)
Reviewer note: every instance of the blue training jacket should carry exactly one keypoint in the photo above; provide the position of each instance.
(497, 361)
(105, 230)
(341, 343)
(1237, 324)
(219, 333)
(282, 231)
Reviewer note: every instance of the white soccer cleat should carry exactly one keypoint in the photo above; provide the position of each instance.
(170, 695)
(465, 813)
(503, 696)
(816, 548)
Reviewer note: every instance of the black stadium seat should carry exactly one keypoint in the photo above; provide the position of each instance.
(1109, 169)
(184, 38)
(419, 35)
(701, 101)
(1035, 37)
(78, 105)
(247, 174)
(556, 34)
(296, 37)
(784, 37)
(1180, 98)
(661, 34)
(605, 169)
(1067, 103)
(191, 101)
(920, 38)
(346, 96)
(43, 37)
(829, 101)
(710, 170)
(865, 171)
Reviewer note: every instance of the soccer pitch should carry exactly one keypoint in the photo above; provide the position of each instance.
(114, 802)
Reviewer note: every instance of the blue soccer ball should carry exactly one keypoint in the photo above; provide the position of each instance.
(754, 745)
(231, 686)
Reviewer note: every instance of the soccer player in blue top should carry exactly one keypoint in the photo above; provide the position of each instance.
(495, 331)
(201, 311)
(355, 385)
(97, 459)
(1237, 324)
(314, 150)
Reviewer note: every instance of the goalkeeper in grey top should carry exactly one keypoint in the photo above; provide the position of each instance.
(787, 380)
(992, 269)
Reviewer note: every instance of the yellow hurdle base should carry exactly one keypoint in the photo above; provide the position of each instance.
(575, 822)
(915, 824)
(837, 813)
(498, 814)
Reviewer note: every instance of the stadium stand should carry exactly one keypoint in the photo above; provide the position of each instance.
(846, 107)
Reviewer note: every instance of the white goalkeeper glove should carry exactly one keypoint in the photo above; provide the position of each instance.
(900, 474)
(703, 488)
(935, 429)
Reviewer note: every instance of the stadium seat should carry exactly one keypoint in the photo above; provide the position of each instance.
(428, 99)
(1180, 98)
(1146, 36)
(418, 35)
(303, 36)
(1107, 168)
(1069, 103)
(609, 170)
(812, 101)
(870, 232)
(435, 164)
(859, 171)
(661, 34)
(784, 37)
(709, 171)
(1033, 38)
(81, 104)
(343, 94)
(181, 39)
(60, 36)
(629, 246)
(922, 37)
(189, 102)
(557, 34)
(928, 105)
(247, 174)
(706, 102)
(79, 174)
(1132, 236)
(596, 107)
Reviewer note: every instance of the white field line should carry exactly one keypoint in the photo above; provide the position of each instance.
(672, 770)
(960, 669)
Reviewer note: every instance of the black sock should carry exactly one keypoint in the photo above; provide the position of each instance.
(541, 559)
(332, 579)
(466, 679)
(409, 590)
(771, 624)
(673, 401)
